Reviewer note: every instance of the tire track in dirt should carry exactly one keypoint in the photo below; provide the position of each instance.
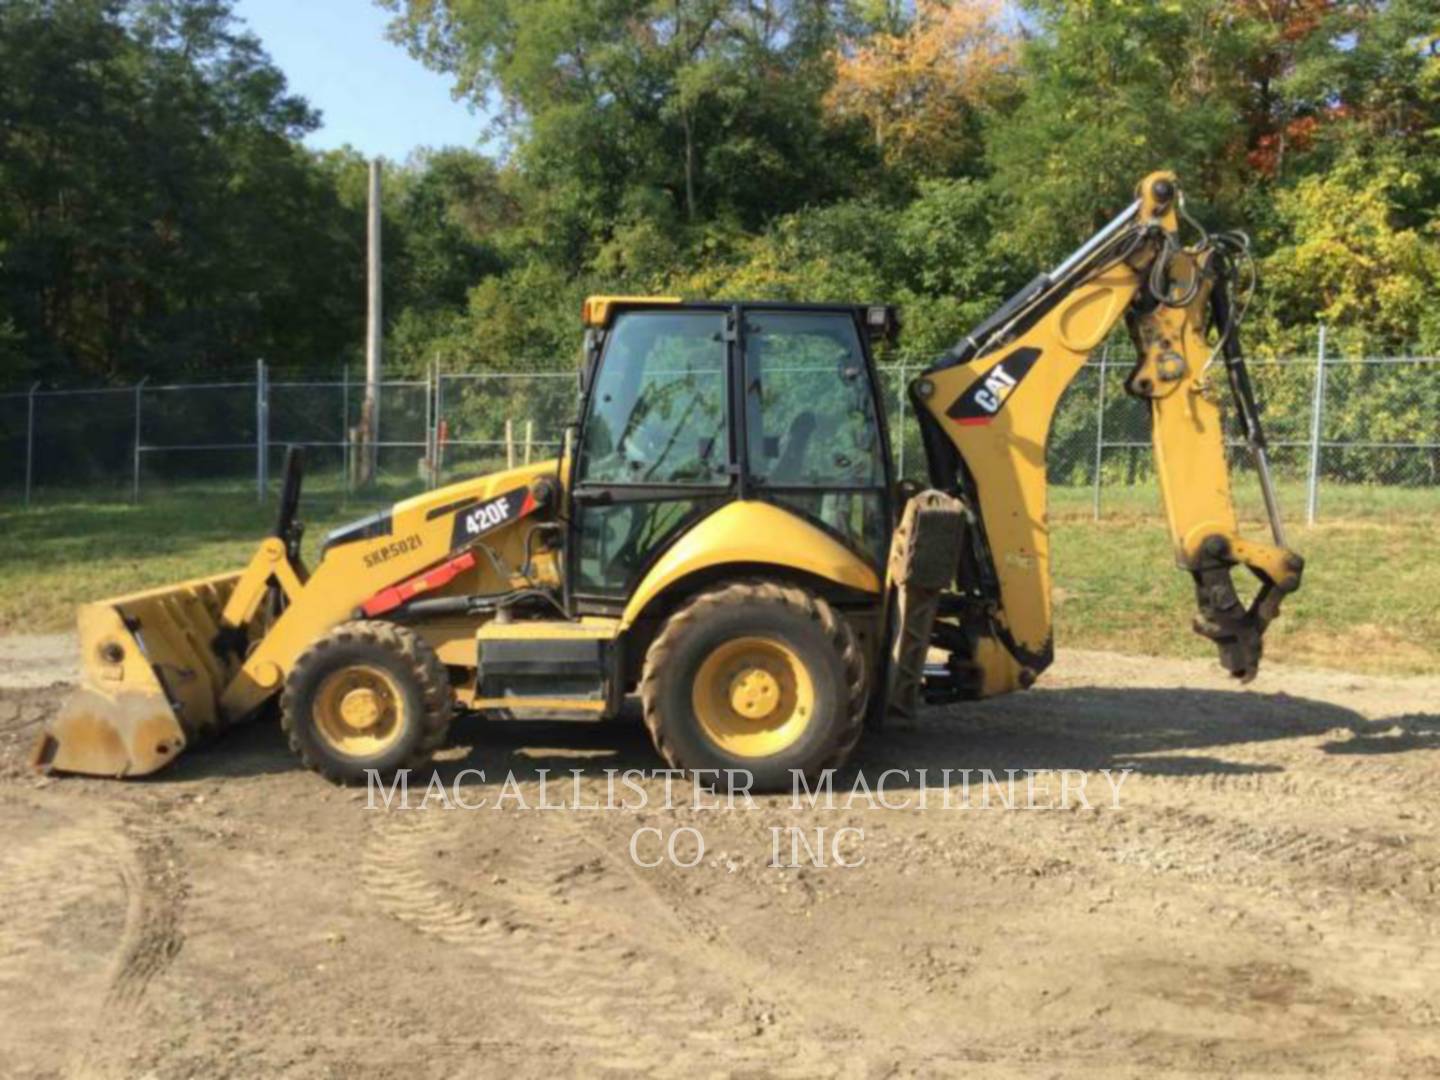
(156, 891)
(67, 875)
(516, 952)
(555, 872)
(1384, 778)
(1383, 853)
(84, 856)
(636, 1006)
(1174, 826)
(1171, 839)
(1307, 774)
(1351, 901)
(40, 883)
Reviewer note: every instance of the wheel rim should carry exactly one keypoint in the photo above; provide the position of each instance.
(359, 711)
(753, 697)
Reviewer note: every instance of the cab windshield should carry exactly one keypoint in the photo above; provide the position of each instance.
(657, 414)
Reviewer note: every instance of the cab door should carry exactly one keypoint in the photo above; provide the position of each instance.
(815, 440)
(655, 450)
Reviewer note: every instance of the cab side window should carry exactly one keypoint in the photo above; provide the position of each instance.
(656, 439)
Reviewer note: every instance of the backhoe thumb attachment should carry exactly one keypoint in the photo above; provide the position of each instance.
(1237, 631)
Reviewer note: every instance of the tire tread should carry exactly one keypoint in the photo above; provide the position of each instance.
(421, 664)
(744, 593)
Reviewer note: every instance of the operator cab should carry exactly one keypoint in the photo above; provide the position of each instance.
(690, 405)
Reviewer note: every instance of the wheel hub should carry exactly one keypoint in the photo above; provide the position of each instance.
(754, 693)
(753, 696)
(360, 708)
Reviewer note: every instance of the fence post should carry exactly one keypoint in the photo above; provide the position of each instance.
(1100, 426)
(135, 468)
(900, 463)
(345, 439)
(30, 441)
(1317, 417)
(262, 430)
(439, 422)
(430, 425)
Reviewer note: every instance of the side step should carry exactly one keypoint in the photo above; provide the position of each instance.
(548, 668)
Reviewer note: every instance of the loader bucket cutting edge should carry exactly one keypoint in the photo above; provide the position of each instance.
(150, 681)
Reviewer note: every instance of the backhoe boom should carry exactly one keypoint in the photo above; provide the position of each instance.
(986, 409)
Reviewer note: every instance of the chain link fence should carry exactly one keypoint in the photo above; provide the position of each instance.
(1349, 436)
(216, 438)
(496, 420)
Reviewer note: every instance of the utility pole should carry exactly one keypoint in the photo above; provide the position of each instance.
(370, 409)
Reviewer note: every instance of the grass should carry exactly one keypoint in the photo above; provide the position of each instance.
(58, 555)
(1338, 503)
(1368, 602)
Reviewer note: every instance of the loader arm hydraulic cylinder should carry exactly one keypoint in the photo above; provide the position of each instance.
(986, 409)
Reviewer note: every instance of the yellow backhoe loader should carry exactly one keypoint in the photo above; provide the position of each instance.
(724, 533)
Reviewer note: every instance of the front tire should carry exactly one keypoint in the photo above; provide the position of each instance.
(758, 677)
(368, 695)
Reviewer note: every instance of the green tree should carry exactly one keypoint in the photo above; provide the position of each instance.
(1344, 255)
(157, 211)
(682, 111)
(1113, 90)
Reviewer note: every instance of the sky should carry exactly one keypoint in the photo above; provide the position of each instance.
(370, 92)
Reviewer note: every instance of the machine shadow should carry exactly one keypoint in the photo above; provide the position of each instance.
(1155, 731)
(1152, 731)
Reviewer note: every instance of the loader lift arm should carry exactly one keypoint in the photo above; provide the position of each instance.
(985, 411)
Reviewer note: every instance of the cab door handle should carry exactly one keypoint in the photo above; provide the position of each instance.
(593, 497)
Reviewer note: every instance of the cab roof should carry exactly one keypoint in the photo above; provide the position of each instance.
(598, 312)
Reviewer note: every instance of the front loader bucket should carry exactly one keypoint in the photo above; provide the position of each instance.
(151, 675)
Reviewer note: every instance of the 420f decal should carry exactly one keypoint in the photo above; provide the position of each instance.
(475, 521)
(985, 397)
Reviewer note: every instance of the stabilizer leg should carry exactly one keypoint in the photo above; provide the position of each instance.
(924, 555)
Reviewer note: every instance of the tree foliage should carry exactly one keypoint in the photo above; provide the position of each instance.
(919, 87)
(681, 109)
(1349, 258)
(155, 206)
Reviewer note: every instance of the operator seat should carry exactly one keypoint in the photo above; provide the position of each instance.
(789, 467)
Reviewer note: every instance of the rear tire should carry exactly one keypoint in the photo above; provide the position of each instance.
(367, 696)
(758, 677)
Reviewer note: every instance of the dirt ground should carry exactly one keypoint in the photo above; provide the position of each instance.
(1264, 899)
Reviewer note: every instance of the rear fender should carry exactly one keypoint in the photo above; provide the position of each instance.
(742, 534)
